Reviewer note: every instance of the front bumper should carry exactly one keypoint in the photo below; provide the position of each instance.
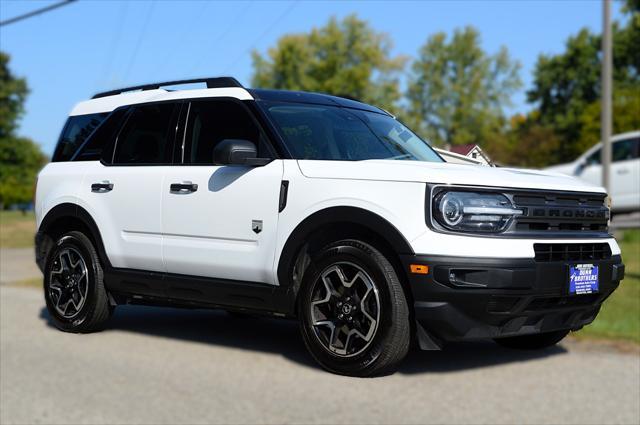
(476, 298)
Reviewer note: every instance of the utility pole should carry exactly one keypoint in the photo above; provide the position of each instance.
(605, 118)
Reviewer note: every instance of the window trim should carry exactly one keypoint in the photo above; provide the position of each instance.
(175, 118)
(275, 153)
(84, 142)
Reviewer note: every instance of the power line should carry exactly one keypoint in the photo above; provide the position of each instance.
(184, 36)
(223, 34)
(264, 33)
(143, 32)
(35, 12)
(115, 41)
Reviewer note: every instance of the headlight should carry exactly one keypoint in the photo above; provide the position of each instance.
(474, 211)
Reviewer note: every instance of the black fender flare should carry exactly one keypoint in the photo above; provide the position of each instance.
(74, 212)
(337, 215)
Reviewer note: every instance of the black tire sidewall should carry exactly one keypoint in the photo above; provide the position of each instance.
(81, 244)
(359, 256)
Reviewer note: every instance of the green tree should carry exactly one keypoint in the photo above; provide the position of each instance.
(457, 91)
(20, 161)
(346, 58)
(566, 86)
(527, 144)
(13, 92)
(625, 112)
(20, 158)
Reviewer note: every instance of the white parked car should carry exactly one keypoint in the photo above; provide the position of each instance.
(625, 170)
(317, 208)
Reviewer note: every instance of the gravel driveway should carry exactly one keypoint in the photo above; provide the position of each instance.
(191, 366)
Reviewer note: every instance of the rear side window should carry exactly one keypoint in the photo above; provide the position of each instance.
(94, 147)
(147, 137)
(75, 132)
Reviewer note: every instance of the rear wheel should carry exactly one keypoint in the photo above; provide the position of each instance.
(354, 316)
(74, 289)
(532, 342)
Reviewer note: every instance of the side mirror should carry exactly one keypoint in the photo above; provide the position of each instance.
(237, 152)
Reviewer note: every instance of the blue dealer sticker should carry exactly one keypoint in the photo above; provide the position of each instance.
(583, 279)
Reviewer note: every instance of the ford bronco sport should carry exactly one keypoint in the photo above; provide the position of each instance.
(313, 207)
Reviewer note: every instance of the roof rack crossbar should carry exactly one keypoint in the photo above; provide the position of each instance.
(214, 82)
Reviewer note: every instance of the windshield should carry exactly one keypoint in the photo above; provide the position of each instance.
(334, 133)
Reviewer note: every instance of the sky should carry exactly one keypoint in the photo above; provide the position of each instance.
(70, 53)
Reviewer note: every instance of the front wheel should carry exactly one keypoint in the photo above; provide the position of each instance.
(532, 342)
(354, 316)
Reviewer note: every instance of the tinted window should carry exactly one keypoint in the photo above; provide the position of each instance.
(93, 147)
(625, 149)
(594, 158)
(75, 132)
(147, 136)
(210, 122)
(335, 133)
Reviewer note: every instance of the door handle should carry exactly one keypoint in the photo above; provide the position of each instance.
(186, 187)
(623, 171)
(103, 187)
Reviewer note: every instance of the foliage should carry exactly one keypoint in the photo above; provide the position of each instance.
(566, 86)
(20, 161)
(20, 158)
(527, 144)
(346, 58)
(457, 91)
(626, 115)
(13, 92)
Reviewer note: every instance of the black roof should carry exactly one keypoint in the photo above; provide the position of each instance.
(306, 97)
(258, 94)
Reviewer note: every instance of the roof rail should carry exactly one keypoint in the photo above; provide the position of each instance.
(215, 82)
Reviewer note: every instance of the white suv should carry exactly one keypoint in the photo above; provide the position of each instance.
(625, 170)
(312, 207)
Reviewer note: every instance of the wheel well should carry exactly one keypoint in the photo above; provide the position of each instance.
(62, 219)
(332, 225)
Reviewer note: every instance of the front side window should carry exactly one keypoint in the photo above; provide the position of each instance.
(75, 132)
(594, 158)
(213, 121)
(336, 133)
(624, 150)
(147, 137)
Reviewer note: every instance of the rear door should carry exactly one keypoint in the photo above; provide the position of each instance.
(625, 174)
(123, 191)
(221, 221)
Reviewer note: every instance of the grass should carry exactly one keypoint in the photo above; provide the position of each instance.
(17, 229)
(35, 282)
(619, 317)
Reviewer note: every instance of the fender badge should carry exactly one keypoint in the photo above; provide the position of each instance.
(256, 226)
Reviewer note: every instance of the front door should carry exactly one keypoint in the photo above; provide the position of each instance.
(220, 221)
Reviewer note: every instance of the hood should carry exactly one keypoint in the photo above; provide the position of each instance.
(568, 168)
(444, 173)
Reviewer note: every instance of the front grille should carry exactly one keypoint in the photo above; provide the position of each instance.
(561, 212)
(546, 252)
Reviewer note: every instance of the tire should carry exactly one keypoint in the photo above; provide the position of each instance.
(532, 342)
(374, 305)
(74, 289)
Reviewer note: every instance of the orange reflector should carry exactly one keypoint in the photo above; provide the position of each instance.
(419, 269)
